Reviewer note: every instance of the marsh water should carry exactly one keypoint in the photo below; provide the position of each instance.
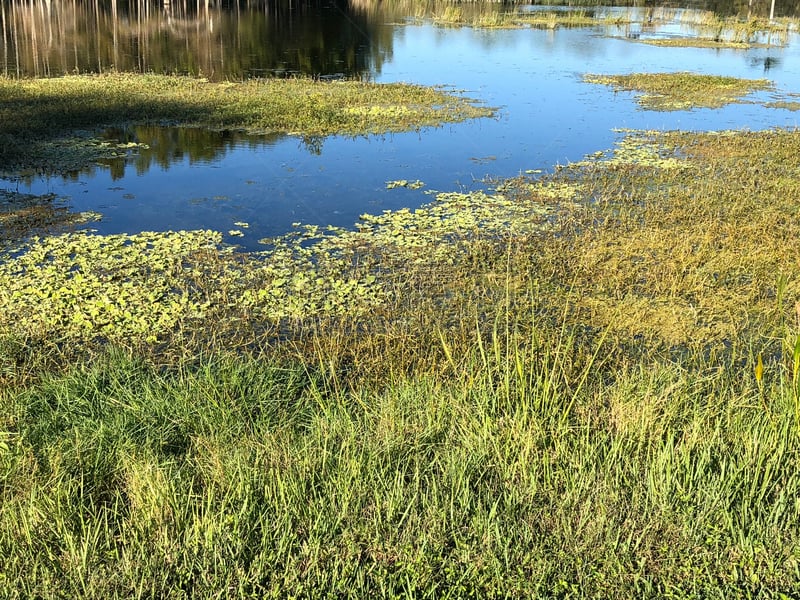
(254, 187)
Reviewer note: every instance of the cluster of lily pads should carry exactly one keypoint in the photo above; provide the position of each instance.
(84, 286)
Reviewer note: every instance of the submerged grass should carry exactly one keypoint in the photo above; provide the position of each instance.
(682, 91)
(39, 118)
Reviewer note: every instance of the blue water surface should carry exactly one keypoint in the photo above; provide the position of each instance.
(547, 115)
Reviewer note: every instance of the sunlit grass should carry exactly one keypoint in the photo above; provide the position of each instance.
(682, 91)
(491, 16)
(506, 474)
(39, 117)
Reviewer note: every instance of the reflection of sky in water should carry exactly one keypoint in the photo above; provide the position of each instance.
(548, 116)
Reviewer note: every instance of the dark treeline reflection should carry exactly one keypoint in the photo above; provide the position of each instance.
(228, 40)
(240, 39)
(163, 146)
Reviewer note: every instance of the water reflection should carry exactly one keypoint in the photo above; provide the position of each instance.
(767, 62)
(243, 38)
(178, 178)
(164, 146)
(215, 40)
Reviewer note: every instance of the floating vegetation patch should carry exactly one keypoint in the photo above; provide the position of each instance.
(144, 287)
(696, 42)
(82, 287)
(316, 271)
(792, 105)
(404, 183)
(637, 149)
(40, 118)
(25, 154)
(682, 91)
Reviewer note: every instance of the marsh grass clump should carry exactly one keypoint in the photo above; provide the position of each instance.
(493, 16)
(712, 31)
(686, 249)
(697, 42)
(41, 120)
(570, 19)
(682, 91)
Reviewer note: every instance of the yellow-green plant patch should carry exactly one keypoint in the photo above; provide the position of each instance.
(81, 286)
(792, 105)
(637, 149)
(492, 17)
(569, 19)
(687, 256)
(683, 90)
(696, 42)
(404, 183)
(93, 288)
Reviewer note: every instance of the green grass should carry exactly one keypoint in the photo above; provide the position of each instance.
(682, 91)
(583, 384)
(258, 479)
(39, 118)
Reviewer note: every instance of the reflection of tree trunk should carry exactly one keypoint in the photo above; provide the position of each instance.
(114, 23)
(5, 38)
(252, 37)
(34, 39)
(99, 33)
(75, 37)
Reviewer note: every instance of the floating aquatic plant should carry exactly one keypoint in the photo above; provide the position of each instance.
(404, 183)
(84, 286)
(89, 287)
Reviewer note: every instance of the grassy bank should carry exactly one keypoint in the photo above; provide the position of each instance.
(515, 413)
(510, 479)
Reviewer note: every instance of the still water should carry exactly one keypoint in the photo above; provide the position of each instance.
(259, 186)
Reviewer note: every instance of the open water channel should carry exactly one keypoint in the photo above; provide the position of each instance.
(259, 186)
